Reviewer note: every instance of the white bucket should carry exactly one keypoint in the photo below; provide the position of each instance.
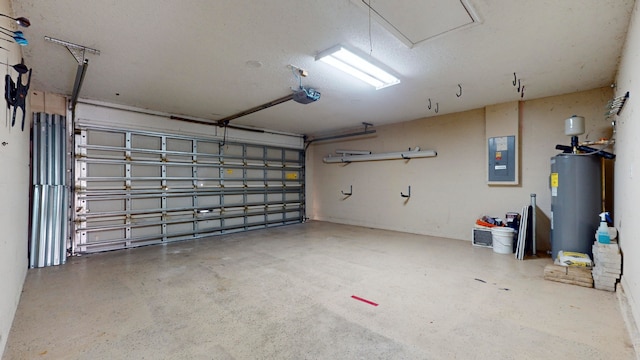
(502, 238)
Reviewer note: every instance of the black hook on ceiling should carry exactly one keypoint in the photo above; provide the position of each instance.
(459, 93)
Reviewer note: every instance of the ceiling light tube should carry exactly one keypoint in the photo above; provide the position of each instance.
(356, 66)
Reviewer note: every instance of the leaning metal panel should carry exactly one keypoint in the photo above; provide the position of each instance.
(135, 188)
(49, 209)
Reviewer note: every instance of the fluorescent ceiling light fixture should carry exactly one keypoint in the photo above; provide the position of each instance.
(354, 65)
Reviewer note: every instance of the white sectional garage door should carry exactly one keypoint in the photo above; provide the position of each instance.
(138, 187)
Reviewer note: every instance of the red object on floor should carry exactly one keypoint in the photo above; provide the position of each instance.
(364, 300)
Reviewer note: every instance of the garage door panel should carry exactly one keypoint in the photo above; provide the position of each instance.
(145, 184)
(104, 205)
(292, 197)
(105, 236)
(255, 198)
(141, 188)
(179, 171)
(208, 147)
(292, 215)
(233, 173)
(179, 145)
(208, 173)
(274, 197)
(274, 153)
(234, 222)
(105, 170)
(145, 156)
(209, 225)
(233, 151)
(105, 185)
(181, 202)
(106, 154)
(145, 203)
(105, 138)
(179, 184)
(230, 200)
(146, 232)
(139, 141)
(255, 152)
(138, 171)
(256, 219)
(292, 156)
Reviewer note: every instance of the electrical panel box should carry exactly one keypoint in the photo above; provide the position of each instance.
(502, 160)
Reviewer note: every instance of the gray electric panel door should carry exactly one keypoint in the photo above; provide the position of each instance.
(502, 158)
(135, 188)
(575, 202)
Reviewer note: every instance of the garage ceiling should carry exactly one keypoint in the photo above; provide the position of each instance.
(211, 59)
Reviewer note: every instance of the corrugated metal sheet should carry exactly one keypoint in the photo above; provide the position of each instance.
(50, 199)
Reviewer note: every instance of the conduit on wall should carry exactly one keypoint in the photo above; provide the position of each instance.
(409, 154)
(50, 191)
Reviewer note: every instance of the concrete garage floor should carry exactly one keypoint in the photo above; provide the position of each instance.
(285, 293)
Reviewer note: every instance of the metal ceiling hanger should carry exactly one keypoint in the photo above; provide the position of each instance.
(78, 52)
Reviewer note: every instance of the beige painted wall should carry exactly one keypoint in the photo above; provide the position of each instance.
(448, 192)
(14, 204)
(627, 172)
(48, 103)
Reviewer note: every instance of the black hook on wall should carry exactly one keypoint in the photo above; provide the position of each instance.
(406, 195)
(349, 193)
(436, 108)
(515, 78)
(522, 92)
(429, 106)
(459, 93)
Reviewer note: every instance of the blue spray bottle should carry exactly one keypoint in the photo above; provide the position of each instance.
(603, 229)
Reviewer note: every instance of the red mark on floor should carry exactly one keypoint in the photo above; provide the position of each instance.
(364, 300)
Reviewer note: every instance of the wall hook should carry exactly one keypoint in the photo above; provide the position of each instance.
(518, 85)
(515, 78)
(350, 191)
(459, 93)
(408, 195)
(436, 108)
(522, 92)
(429, 107)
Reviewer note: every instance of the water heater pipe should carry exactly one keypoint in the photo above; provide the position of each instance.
(602, 175)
